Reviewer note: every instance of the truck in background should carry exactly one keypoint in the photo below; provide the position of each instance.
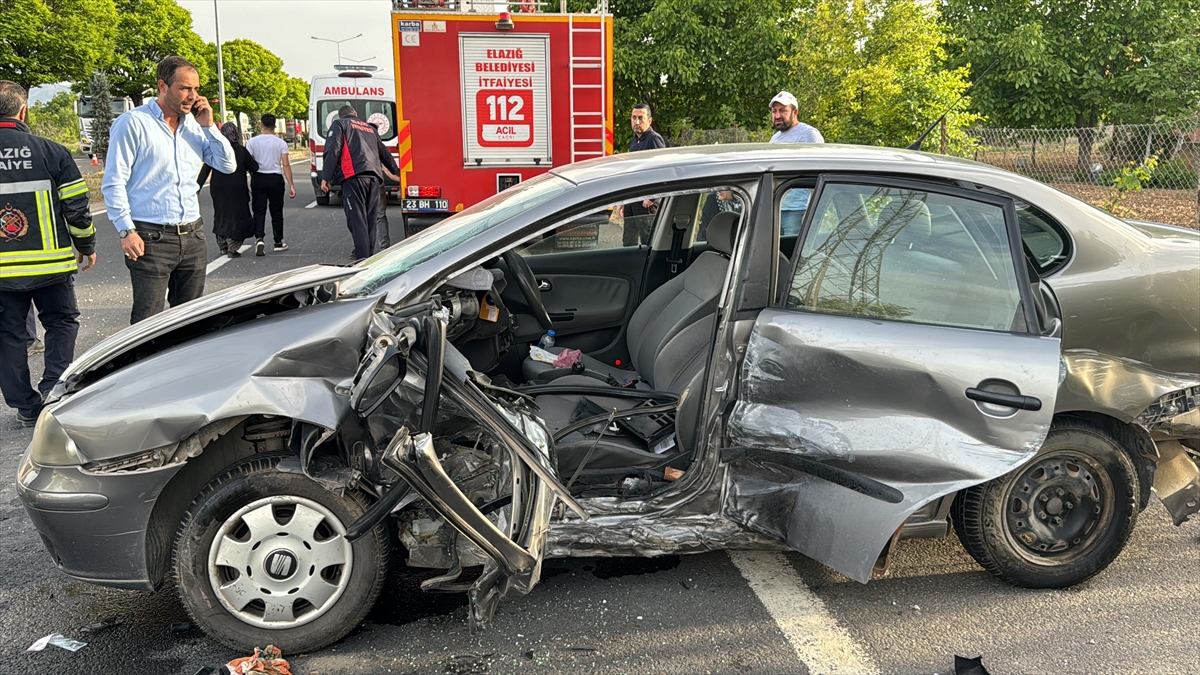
(486, 100)
(84, 110)
(373, 95)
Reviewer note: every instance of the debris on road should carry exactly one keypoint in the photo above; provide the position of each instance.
(965, 666)
(58, 640)
(100, 626)
(267, 661)
(180, 627)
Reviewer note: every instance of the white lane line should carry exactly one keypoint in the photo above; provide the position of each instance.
(824, 646)
(216, 264)
(310, 204)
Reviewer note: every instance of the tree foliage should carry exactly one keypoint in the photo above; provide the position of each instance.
(254, 77)
(873, 72)
(148, 32)
(56, 119)
(102, 115)
(699, 63)
(1079, 62)
(47, 41)
(295, 100)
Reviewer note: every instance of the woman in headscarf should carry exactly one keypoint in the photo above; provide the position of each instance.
(232, 222)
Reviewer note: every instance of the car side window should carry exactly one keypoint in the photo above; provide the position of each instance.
(907, 255)
(791, 210)
(629, 224)
(1043, 238)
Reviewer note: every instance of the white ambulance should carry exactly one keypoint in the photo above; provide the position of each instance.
(372, 94)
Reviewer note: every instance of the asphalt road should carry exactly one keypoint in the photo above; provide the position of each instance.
(707, 613)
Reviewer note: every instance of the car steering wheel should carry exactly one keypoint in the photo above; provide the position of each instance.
(529, 287)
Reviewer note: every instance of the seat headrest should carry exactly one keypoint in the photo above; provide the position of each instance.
(722, 230)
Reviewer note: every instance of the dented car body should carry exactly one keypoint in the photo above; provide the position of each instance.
(942, 346)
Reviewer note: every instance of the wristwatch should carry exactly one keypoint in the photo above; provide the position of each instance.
(125, 233)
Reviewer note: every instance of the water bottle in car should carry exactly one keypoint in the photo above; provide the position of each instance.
(547, 340)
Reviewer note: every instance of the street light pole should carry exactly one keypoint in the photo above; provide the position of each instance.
(336, 42)
(220, 63)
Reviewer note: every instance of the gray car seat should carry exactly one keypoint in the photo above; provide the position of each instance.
(679, 369)
(672, 307)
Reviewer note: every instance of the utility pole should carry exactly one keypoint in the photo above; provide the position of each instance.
(220, 63)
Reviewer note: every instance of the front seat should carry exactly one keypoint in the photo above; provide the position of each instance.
(675, 305)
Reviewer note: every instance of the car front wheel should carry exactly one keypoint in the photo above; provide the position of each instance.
(261, 558)
(1057, 520)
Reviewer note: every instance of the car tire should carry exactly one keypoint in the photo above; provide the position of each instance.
(323, 200)
(306, 568)
(1060, 518)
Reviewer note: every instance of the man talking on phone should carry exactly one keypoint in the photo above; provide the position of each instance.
(155, 152)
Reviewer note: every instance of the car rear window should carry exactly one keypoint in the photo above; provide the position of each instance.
(1044, 239)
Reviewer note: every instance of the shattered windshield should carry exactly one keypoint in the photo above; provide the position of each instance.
(454, 231)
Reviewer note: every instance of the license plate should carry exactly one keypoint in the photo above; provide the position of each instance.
(426, 205)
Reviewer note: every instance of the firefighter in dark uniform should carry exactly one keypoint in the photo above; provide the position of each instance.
(355, 158)
(43, 213)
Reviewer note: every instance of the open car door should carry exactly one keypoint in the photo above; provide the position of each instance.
(903, 361)
(472, 452)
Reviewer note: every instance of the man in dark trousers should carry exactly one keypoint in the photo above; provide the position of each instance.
(355, 158)
(155, 152)
(43, 213)
(266, 184)
(639, 216)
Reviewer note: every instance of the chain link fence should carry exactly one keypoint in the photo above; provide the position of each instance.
(1085, 163)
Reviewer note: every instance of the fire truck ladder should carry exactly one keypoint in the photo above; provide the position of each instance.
(587, 123)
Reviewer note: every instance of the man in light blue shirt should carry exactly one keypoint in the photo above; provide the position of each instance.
(155, 152)
(789, 129)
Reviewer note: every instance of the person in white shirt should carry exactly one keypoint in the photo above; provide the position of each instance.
(266, 184)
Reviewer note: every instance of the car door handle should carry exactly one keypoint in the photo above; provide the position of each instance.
(1007, 400)
(544, 285)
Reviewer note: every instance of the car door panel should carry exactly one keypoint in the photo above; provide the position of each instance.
(890, 378)
(588, 300)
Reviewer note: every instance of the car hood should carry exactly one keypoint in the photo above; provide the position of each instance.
(208, 306)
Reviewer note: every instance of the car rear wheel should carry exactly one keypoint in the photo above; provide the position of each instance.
(322, 200)
(1058, 520)
(261, 558)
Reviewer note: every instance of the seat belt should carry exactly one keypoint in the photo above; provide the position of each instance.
(679, 227)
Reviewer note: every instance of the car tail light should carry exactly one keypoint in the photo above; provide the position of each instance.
(424, 191)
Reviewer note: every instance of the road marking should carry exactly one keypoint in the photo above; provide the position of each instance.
(824, 646)
(216, 264)
(311, 204)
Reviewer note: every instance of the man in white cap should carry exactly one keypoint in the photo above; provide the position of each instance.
(789, 129)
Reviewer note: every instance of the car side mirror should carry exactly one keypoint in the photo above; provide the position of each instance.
(380, 372)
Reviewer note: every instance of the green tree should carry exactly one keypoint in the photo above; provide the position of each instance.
(1079, 62)
(254, 77)
(56, 119)
(102, 115)
(295, 102)
(872, 72)
(705, 64)
(148, 32)
(47, 41)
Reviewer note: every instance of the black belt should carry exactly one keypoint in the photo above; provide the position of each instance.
(177, 228)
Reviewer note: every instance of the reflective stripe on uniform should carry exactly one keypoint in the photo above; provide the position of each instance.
(46, 221)
(72, 189)
(7, 272)
(91, 229)
(25, 186)
(12, 257)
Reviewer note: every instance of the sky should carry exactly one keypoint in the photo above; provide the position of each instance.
(286, 28)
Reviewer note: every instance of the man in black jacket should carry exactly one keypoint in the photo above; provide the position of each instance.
(43, 212)
(355, 158)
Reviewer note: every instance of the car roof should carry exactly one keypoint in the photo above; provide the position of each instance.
(704, 160)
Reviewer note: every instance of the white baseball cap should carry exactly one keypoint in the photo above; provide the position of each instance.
(785, 98)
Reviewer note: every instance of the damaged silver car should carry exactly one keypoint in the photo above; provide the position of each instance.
(937, 345)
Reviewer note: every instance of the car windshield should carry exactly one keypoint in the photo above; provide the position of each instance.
(427, 244)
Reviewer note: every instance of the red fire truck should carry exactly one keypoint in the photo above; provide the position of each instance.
(485, 100)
